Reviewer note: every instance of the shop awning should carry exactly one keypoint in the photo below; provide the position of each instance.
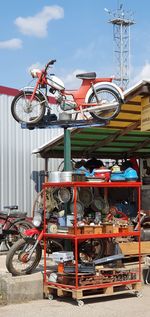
(121, 138)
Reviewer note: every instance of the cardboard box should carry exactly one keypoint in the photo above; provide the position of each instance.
(132, 248)
(63, 256)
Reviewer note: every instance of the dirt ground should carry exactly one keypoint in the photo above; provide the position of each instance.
(114, 306)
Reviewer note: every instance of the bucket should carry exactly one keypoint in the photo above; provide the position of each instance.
(54, 177)
(66, 176)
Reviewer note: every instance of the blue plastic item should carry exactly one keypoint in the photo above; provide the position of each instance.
(117, 176)
(130, 173)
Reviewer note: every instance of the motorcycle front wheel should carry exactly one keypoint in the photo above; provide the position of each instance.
(24, 110)
(108, 99)
(15, 231)
(17, 261)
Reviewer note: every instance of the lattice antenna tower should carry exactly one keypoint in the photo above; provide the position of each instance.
(121, 21)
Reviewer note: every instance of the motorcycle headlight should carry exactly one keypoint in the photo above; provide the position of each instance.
(37, 219)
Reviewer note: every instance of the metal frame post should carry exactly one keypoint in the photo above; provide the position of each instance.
(67, 150)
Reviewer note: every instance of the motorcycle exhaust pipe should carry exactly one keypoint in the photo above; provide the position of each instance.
(93, 108)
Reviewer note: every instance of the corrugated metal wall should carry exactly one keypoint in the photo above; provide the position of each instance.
(19, 168)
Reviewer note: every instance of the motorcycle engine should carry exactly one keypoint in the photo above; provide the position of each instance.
(67, 105)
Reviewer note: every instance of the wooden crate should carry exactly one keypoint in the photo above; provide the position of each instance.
(71, 230)
(132, 248)
(88, 229)
(115, 229)
(107, 228)
(97, 229)
(123, 229)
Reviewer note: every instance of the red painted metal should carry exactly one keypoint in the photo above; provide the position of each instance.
(76, 237)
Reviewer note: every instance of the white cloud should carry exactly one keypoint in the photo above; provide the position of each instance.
(143, 74)
(11, 44)
(37, 25)
(71, 81)
(90, 49)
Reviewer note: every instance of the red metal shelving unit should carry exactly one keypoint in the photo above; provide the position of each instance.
(78, 291)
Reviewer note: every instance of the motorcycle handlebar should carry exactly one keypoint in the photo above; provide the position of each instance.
(51, 62)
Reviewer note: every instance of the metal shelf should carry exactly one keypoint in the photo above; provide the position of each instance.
(93, 184)
(104, 288)
(92, 236)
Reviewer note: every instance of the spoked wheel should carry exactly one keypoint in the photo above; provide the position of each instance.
(17, 260)
(90, 250)
(24, 110)
(108, 99)
(15, 232)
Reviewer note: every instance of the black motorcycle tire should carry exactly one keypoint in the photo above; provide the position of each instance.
(18, 246)
(86, 253)
(106, 115)
(25, 115)
(15, 231)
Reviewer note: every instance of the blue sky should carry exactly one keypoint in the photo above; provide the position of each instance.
(75, 32)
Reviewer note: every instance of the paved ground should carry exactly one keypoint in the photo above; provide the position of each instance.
(116, 306)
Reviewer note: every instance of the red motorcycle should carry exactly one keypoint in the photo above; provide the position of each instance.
(25, 255)
(97, 98)
(12, 223)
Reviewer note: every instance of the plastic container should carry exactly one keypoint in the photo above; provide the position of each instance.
(130, 174)
(103, 174)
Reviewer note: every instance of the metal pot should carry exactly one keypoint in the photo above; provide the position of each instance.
(80, 208)
(54, 177)
(85, 196)
(66, 176)
(64, 195)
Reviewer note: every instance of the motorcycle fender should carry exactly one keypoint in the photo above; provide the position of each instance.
(31, 232)
(31, 89)
(107, 85)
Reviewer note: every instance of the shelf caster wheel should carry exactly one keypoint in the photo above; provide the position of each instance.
(50, 297)
(80, 303)
(138, 294)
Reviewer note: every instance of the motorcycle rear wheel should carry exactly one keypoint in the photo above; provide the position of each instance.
(16, 259)
(25, 111)
(106, 96)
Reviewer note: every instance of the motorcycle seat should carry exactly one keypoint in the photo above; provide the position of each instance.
(91, 75)
(12, 214)
(11, 207)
